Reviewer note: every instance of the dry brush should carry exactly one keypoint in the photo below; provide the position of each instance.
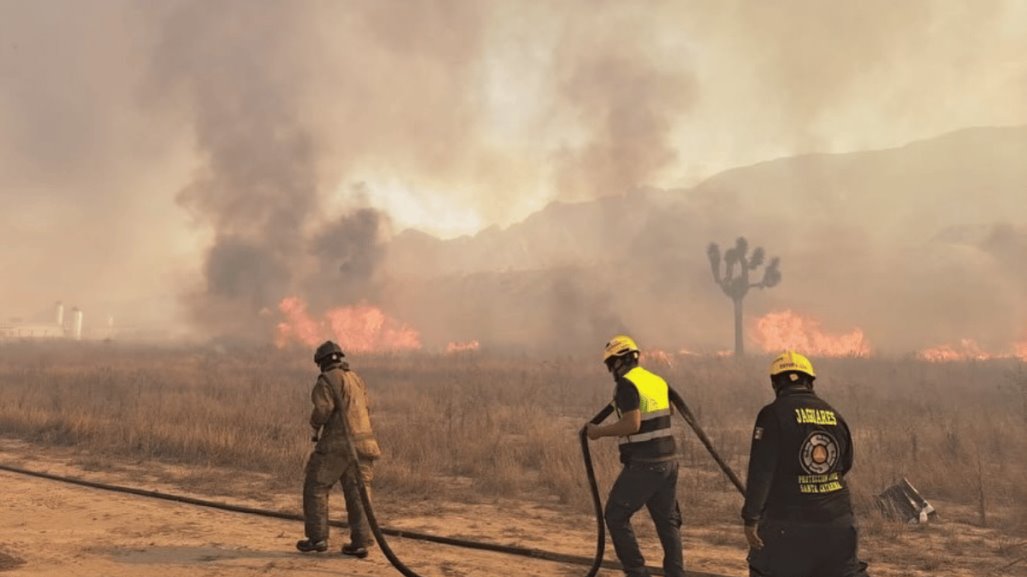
(482, 426)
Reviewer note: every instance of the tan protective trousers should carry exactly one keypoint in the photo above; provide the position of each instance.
(323, 471)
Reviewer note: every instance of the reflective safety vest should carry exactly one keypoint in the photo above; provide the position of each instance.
(654, 404)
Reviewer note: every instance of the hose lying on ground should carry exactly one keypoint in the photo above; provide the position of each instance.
(678, 403)
(540, 554)
(594, 563)
(597, 561)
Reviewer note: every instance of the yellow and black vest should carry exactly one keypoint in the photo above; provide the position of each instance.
(654, 439)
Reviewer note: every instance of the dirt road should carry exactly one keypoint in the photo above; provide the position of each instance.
(58, 529)
(48, 528)
(62, 529)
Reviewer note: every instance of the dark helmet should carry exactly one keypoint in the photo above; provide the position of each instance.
(328, 351)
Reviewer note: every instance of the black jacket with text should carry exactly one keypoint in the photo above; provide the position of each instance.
(801, 451)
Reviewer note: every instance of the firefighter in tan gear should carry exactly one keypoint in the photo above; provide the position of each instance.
(650, 474)
(340, 399)
(798, 513)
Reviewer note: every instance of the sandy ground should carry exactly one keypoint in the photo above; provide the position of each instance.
(60, 529)
(49, 528)
(65, 530)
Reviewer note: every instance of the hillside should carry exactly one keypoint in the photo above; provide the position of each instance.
(918, 244)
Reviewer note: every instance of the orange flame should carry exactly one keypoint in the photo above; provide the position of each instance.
(656, 357)
(461, 347)
(297, 326)
(686, 352)
(366, 328)
(360, 328)
(969, 350)
(784, 330)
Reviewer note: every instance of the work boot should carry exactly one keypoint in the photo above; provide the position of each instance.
(358, 551)
(311, 546)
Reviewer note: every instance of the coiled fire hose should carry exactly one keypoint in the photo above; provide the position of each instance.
(597, 562)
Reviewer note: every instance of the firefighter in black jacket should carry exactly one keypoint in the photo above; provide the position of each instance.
(798, 513)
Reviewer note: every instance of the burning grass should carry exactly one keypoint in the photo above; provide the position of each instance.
(780, 330)
(477, 426)
(362, 327)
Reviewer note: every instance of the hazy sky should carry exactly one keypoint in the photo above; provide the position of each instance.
(142, 144)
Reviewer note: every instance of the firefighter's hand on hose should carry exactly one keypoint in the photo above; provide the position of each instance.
(592, 430)
(752, 536)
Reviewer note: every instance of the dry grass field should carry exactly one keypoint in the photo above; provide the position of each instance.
(473, 427)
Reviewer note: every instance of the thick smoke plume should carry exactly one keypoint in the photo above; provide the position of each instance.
(193, 163)
(258, 185)
(249, 74)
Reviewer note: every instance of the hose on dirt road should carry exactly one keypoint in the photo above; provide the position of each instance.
(597, 562)
(540, 554)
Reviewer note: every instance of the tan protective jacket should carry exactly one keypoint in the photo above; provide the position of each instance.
(345, 385)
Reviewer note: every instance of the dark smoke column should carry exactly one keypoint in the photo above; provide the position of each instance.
(738, 286)
(231, 69)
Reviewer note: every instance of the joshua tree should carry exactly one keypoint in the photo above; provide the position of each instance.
(737, 286)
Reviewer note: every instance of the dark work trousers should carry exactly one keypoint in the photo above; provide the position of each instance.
(805, 549)
(653, 485)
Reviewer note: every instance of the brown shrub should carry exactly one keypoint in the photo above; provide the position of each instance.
(510, 424)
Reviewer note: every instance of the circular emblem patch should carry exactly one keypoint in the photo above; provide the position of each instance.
(819, 453)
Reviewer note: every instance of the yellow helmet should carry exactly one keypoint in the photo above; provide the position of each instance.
(791, 361)
(618, 346)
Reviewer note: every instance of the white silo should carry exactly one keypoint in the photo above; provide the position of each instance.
(60, 314)
(76, 326)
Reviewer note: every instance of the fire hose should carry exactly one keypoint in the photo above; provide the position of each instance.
(686, 413)
(379, 532)
(284, 515)
(597, 561)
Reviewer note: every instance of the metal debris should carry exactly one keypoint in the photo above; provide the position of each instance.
(903, 502)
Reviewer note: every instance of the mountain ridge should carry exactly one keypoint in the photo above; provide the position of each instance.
(859, 235)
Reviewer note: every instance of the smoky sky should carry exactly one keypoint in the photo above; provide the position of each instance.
(347, 253)
(192, 162)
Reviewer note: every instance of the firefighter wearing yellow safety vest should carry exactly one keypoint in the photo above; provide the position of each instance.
(797, 513)
(647, 450)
